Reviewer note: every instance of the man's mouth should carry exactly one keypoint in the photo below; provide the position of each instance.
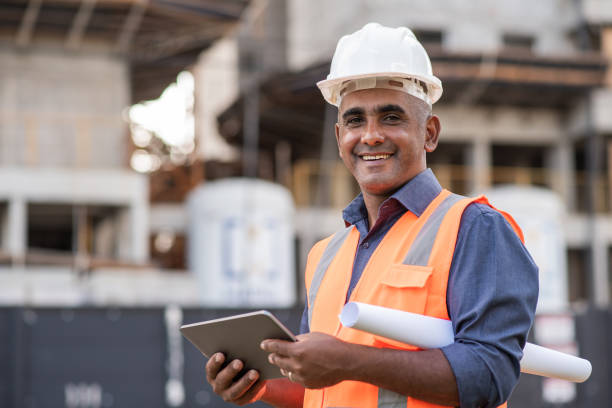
(370, 157)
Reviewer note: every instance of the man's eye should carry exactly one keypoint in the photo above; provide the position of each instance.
(352, 122)
(391, 118)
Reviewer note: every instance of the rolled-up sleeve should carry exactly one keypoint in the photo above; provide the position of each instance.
(491, 297)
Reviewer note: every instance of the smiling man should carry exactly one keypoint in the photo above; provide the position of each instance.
(409, 245)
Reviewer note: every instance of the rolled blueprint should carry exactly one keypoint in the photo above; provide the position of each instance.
(430, 332)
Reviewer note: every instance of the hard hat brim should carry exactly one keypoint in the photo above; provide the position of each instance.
(327, 86)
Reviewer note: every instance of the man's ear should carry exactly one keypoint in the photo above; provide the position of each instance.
(432, 132)
(337, 130)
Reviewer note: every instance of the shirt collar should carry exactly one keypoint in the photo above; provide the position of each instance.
(415, 196)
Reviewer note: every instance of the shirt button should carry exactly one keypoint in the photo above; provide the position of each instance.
(365, 245)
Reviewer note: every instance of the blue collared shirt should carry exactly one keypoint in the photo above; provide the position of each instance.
(492, 289)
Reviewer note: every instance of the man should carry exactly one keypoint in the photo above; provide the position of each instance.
(408, 245)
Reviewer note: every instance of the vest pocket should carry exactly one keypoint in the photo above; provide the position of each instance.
(404, 287)
(407, 276)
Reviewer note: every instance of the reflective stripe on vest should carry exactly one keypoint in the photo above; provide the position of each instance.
(330, 252)
(418, 254)
(420, 250)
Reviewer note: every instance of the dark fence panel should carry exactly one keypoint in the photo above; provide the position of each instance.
(594, 335)
(90, 358)
(107, 357)
(9, 338)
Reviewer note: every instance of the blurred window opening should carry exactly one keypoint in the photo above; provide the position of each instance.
(514, 164)
(448, 163)
(602, 200)
(168, 250)
(519, 43)
(322, 183)
(586, 38)
(164, 241)
(577, 274)
(429, 38)
(50, 227)
(56, 232)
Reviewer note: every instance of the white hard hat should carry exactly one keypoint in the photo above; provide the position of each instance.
(380, 57)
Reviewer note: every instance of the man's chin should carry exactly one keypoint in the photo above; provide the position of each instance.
(379, 188)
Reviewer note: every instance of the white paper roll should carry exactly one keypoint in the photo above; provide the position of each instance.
(430, 332)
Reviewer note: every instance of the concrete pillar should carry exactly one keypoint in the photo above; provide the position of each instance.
(601, 281)
(80, 238)
(480, 164)
(16, 230)
(133, 228)
(124, 239)
(140, 230)
(560, 163)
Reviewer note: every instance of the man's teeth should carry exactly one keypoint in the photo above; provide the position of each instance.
(376, 157)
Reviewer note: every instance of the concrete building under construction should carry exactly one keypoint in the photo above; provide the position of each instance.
(527, 99)
(68, 72)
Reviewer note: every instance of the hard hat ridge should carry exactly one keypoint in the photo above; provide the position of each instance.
(388, 57)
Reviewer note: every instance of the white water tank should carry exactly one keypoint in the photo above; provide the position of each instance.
(540, 213)
(241, 243)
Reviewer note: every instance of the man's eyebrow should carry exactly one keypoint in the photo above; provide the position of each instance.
(389, 108)
(353, 111)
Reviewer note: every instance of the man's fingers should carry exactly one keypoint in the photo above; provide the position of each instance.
(276, 346)
(225, 377)
(245, 389)
(213, 366)
(285, 364)
(226, 383)
(253, 394)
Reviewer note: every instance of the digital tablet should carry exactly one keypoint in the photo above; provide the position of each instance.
(239, 337)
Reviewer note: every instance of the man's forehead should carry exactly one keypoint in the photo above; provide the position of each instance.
(370, 99)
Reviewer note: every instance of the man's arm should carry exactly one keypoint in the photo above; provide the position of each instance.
(319, 360)
(279, 393)
(491, 297)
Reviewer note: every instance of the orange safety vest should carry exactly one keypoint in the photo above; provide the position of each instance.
(407, 271)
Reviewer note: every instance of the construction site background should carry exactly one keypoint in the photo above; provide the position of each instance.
(98, 187)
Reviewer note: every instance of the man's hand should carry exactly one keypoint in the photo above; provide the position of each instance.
(239, 391)
(319, 360)
(316, 360)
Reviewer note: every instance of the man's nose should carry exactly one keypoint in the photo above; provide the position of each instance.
(372, 135)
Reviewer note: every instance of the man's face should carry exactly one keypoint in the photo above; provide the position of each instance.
(382, 138)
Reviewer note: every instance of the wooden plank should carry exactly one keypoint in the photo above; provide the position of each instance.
(79, 24)
(131, 25)
(24, 35)
(522, 74)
